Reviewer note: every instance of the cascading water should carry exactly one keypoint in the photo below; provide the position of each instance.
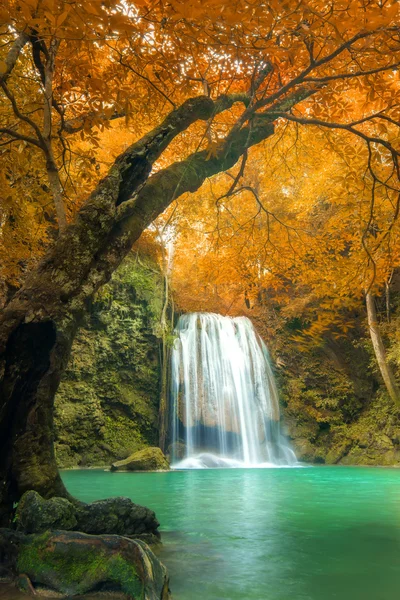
(225, 409)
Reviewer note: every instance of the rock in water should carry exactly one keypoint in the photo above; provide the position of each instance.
(112, 516)
(116, 515)
(73, 563)
(149, 459)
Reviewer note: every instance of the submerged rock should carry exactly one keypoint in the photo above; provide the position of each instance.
(72, 563)
(112, 516)
(149, 459)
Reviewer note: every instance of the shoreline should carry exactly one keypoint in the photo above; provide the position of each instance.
(106, 468)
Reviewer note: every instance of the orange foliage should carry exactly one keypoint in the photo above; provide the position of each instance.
(306, 218)
(307, 230)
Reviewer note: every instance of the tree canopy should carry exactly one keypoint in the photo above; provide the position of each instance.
(70, 71)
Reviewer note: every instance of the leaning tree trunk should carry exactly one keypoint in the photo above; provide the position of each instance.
(379, 349)
(38, 326)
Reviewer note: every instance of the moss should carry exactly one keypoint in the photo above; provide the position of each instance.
(123, 435)
(335, 405)
(75, 568)
(107, 403)
(148, 459)
(35, 514)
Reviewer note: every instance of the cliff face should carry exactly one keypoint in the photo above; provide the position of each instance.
(107, 403)
(335, 405)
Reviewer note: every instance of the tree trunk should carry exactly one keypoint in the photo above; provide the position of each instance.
(379, 349)
(38, 326)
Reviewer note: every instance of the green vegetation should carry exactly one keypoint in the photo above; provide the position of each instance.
(76, 567)
(336, 407)
(107, 403)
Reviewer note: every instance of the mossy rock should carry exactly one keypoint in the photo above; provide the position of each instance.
(118, 516)
(304, 449)
(148, 459)
(338, 452)
(35, 514)
(72, 564)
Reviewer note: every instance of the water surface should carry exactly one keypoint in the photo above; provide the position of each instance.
(318, 533)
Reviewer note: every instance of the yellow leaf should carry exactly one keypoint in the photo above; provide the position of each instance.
(51, 18)
(3, 67)
(61, 18)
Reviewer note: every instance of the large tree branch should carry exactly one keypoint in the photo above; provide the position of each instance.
(20, 137)
(188, 175)
(135, 163)
(51, 164)
(13, 55)
(162, 188)
(84, 238)
(77, 124)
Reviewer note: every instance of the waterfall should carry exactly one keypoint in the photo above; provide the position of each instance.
(225, 408)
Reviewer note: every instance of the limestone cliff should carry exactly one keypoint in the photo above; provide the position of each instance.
(335, 405)
(107, 403)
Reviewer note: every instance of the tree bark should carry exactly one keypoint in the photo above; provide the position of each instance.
(38, 326)
(379, 349)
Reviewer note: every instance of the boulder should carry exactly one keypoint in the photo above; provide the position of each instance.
(35, 514)
(72, 563)
(118, 516)
(148, 459)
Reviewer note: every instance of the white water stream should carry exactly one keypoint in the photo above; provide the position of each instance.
(224, 398)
